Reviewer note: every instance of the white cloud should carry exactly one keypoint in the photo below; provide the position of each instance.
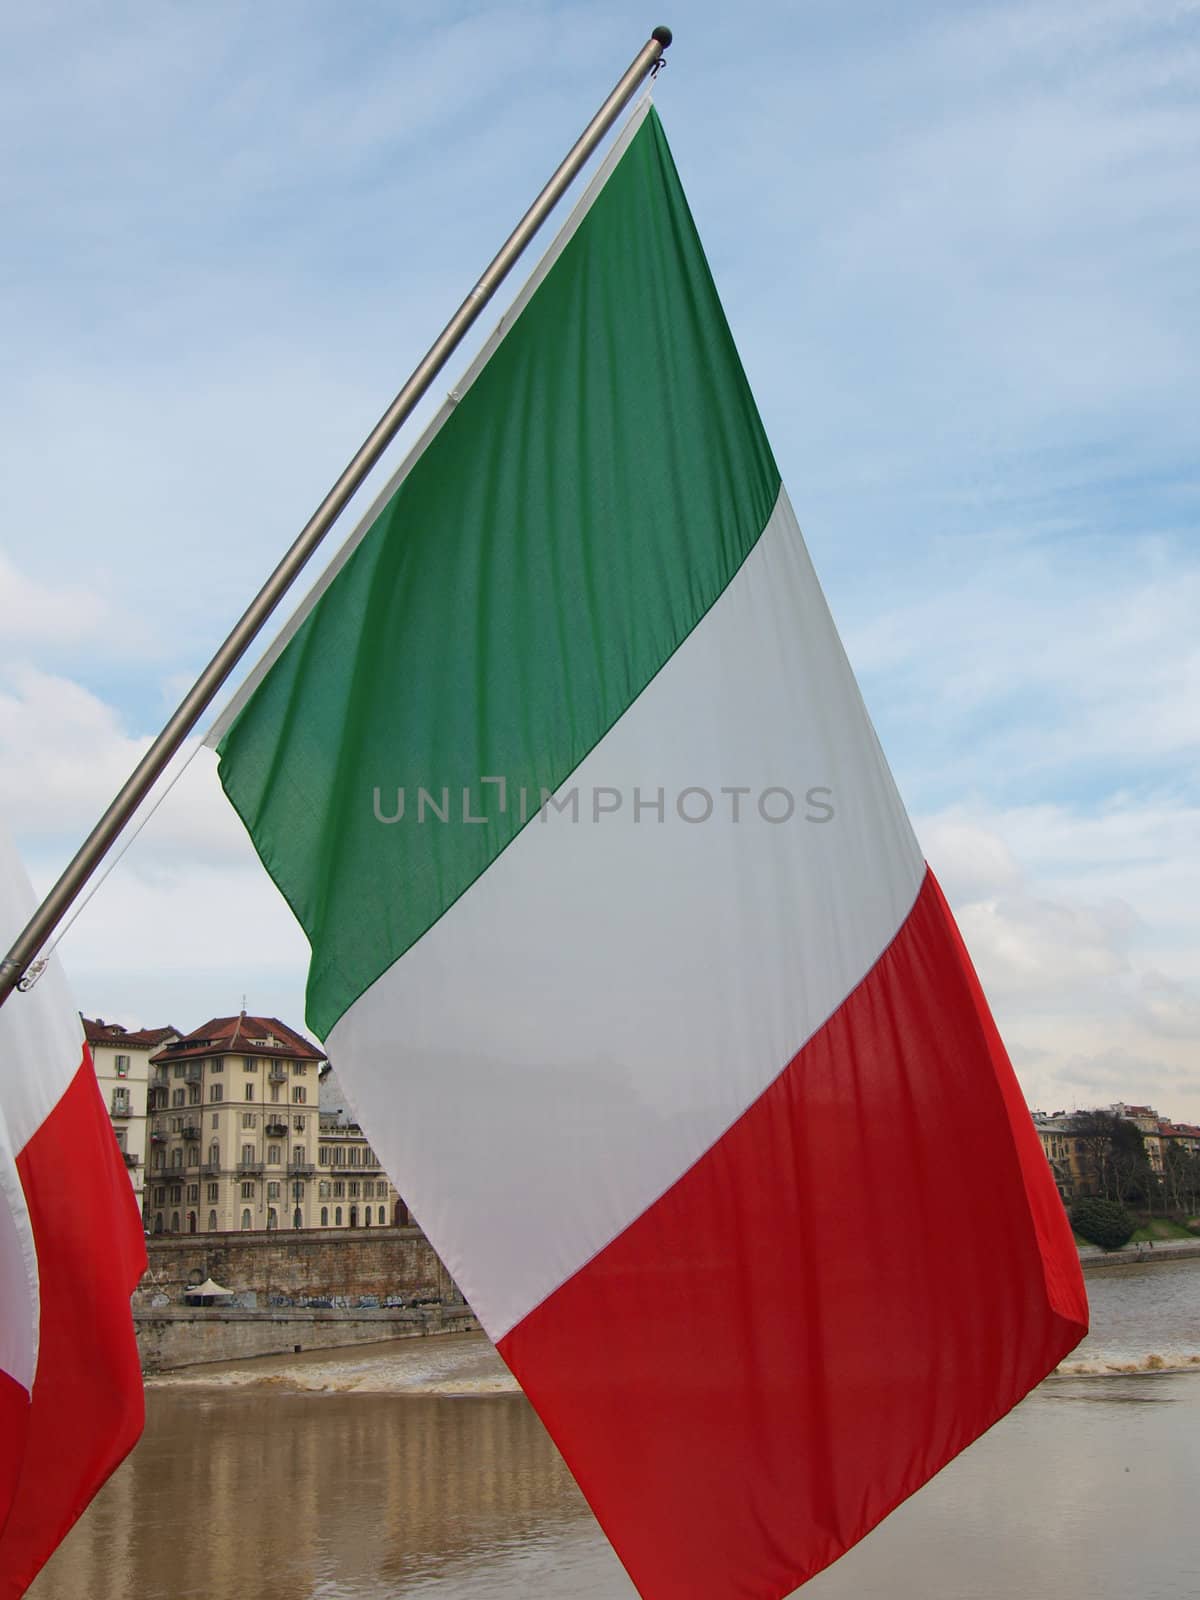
(1082, 926)
(64, 754)
(48, 617)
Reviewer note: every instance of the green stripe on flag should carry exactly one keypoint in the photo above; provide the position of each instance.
(591, 496)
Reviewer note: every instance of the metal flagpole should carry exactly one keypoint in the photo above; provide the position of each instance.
(52, 909)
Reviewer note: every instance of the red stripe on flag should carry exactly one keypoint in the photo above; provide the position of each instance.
(858, 1279)
(87, 1408)
(14, 1427)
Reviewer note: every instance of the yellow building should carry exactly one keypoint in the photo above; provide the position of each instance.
(234, 1110)
(1065, 1148)
(121, 1058)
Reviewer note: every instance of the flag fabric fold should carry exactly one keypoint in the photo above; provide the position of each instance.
(623, 943)
(71, 1253)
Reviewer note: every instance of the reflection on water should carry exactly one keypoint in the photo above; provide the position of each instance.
(407, 1469)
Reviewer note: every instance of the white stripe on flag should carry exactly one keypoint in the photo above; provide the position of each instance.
(634, 986)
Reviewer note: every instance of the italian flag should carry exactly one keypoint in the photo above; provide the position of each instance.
(71, 1254)
(624, 947)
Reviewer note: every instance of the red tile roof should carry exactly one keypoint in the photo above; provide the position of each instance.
(226, 1035)
(97, 1031)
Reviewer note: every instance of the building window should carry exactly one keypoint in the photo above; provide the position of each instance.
(214, 1154)
(354, 1191)
(212, 1222)
(216, 1092)
(337, 1216)
(249, 1064)
(216, 1066)
(298, 1123)
(193, 1193)
(248, 1190)
(176, 1193)
(272, 1219)
(297, 1218)
(248, 1154)
(181, 1069)
(298, 1156)
(160, 1196)
(339, 1190)
(323, 1155)
(249, 1119)
(179, 1097)
(214, 1191)
(339, 1155)
(367, 1217)
(193, 1094)
(247, 1091)
(299, 1095)
(245, 1222)
(323, 1190)
(274, 1094)
(298, 1191)
(273, 1155)
(119, 1134)
(174, 1222)
(273, 1190)
(122, 1065)
(298, 1069)
(324, 1216)
(193, 1159)
(215, 1119)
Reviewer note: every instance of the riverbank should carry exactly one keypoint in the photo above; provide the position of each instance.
(1092, 1258)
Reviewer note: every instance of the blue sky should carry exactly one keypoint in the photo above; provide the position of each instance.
(958, 246)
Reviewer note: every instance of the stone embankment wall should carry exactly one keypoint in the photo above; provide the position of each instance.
(289, 1268)
(192, 1336)
(297, 1290)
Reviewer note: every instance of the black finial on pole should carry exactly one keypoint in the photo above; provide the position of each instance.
(663, 35)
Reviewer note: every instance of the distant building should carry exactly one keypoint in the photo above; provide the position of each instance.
(1148, 1123)
(234, 1129)
(249, 1130)
(121, 1057)
(1183, 1136)
(353, 1191)
(1061, 1136)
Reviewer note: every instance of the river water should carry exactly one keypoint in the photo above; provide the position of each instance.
(417, 1469)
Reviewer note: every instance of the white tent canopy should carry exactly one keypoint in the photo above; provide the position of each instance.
(209, 1289)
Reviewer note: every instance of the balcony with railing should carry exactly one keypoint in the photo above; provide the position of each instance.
(192, 1072)
(191, 1130)
(277, 1075)
(131, 1160)
(122, 1109)
(252, 1168)
(301, 1169)
(210, 1169)
(276, 1126)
